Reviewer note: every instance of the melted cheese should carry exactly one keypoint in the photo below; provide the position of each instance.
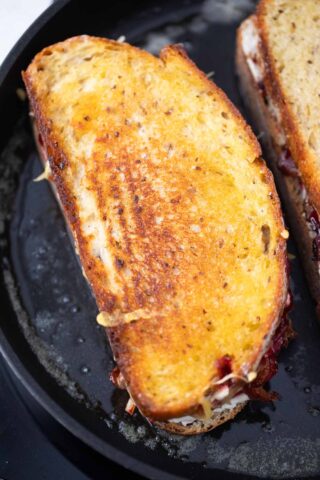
(232, 403)
(251, 49)
(45, 175)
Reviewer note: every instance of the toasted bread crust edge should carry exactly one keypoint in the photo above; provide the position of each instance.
(204, 426)
(297, 145)
(56, 155)
(294, 206)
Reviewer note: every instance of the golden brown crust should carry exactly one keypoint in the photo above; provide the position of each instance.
(266, 124)
(254, 144)
(176, 343)
(301, 153)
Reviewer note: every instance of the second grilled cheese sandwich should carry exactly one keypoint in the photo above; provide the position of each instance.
(278, 66)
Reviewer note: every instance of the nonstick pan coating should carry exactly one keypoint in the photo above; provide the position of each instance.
(48, 331)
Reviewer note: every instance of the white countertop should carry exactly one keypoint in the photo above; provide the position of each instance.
(15, 18)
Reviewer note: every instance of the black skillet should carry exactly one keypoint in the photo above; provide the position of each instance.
(48, 332)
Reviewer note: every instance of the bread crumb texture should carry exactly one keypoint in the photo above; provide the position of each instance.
(291, 28)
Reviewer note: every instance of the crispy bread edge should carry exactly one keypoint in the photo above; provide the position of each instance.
(204, 426)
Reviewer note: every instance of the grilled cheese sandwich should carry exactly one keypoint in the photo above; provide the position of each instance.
(176, 221)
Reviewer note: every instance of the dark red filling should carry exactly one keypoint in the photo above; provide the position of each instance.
(224, 366)
(268, 366)
(286, 164)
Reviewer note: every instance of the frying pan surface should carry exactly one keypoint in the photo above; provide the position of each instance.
(48, 333)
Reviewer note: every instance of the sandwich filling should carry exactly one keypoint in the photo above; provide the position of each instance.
(251, 46)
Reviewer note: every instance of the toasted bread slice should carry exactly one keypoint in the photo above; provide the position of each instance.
(289, 31)
(174, 214)
(278, 67)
